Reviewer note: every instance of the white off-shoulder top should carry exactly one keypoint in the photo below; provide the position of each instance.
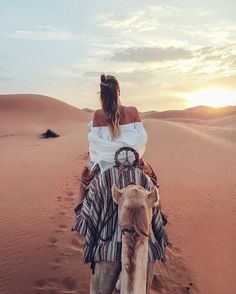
(102, 147)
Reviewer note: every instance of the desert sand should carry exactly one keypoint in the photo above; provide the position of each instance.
(194, 158)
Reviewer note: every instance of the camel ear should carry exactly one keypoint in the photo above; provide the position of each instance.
(153, 197)
(116, 193)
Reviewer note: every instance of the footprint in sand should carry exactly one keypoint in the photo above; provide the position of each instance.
(57, 260)
(41, 283)
(61, 229)
(69, 283)
(69, 199)
(69, 193)
(47, 286)
(56, 263)
(55, 267)
(67, 253)
(62, 226)
(57, 231)
(77, 245)
(52, 241)
(62, 213)
(53, 283)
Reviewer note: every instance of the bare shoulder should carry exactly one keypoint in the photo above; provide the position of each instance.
(98, 118)
(133, 113)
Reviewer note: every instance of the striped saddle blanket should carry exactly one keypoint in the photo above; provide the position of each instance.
(96, 217)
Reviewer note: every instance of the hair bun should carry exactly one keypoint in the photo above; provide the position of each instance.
(103, 78)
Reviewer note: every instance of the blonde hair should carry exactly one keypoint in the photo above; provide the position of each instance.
(110, 103)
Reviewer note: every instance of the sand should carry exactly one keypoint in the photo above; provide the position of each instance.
(196, 165)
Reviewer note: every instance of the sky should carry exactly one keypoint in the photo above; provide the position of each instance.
(165, 54)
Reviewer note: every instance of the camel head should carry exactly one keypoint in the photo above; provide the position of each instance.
(135, 208)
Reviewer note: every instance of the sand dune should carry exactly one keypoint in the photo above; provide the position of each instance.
(199, 112)
(197, 175)
(217, 122)
(26, 113)
(38, 191)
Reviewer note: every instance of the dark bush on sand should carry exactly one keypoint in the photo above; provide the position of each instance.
(49, 134)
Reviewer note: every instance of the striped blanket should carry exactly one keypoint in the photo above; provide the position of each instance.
(97, 219)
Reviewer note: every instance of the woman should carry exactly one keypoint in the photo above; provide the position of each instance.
(113, 126)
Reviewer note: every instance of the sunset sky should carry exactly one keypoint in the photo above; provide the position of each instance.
(166, 54)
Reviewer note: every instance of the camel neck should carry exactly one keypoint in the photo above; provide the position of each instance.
(134, 265)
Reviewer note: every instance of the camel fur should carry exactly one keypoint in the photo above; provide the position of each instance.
(134, 216)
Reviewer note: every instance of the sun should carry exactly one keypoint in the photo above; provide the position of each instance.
(211, 97)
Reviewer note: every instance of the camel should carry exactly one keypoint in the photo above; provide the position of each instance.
(134, 216)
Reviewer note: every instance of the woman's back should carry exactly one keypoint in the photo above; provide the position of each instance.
(128, 114)
(102, 146)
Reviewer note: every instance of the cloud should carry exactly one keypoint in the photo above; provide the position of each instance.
(148, 19)
(47, 33)
(168, 25)
(146, 54)
(133, 21)
(135, 76)
(215, 59)
(226, 82)
(156, 51)
(193, 85)
(233, 63)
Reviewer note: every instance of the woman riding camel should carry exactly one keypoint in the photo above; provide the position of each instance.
(114, 129)
(113, 126)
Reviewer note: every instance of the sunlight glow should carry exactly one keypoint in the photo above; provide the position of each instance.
(211, 97)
